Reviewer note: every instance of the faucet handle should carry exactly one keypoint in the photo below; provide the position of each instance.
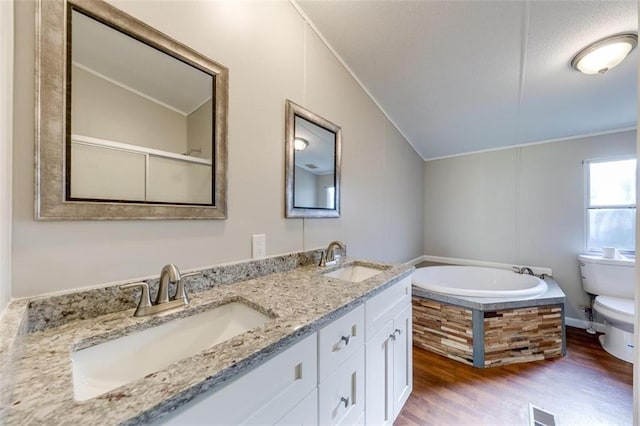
(323, 258)
(145, 301)
(181, 293)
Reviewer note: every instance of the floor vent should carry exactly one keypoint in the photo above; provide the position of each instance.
(540, 417)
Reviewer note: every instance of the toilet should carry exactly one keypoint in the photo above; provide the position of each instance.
(612, 282)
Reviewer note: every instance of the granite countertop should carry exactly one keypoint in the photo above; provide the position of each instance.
(301, 300)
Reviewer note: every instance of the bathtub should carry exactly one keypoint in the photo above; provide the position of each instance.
(473, 281)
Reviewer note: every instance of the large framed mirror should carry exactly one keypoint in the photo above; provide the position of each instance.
(312, 165)
(131, 124)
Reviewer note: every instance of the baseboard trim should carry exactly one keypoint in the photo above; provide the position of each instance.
(584, 324)
(414, 262)
(470, 262)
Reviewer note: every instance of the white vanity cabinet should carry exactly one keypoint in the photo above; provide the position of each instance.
(388, 352)
(355, 370)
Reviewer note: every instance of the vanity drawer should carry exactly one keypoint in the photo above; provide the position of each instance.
(263, 395)
(380, 309)
(341, 398)
(339, 340)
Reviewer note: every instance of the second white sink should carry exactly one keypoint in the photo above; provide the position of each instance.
(353, 273)
(104, 367)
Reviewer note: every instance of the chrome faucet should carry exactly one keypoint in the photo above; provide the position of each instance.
(329, 255)
(523, 270)
(169, 274)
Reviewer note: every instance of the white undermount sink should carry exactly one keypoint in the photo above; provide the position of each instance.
(104, 367)
(353, 273)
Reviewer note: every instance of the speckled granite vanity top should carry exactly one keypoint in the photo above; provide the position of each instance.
(301, 299)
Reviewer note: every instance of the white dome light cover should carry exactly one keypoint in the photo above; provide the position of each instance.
(601, 56)
(300, 144)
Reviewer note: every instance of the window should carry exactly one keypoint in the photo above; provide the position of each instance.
(611, 204)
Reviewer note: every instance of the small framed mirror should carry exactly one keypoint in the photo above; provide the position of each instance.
(312, 164)
(131, 124)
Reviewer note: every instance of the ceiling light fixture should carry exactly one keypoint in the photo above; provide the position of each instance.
(601, 56)
(300, 144)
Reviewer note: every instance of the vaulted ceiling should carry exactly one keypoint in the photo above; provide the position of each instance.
(466, 76)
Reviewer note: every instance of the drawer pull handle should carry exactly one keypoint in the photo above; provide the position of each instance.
(345, 401)
(345, 339)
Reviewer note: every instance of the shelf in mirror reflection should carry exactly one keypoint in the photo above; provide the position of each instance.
(108, 170)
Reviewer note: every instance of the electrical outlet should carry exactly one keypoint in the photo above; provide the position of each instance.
(259, 246)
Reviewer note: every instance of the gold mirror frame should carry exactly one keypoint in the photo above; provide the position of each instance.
(52, 129)
(291, 111)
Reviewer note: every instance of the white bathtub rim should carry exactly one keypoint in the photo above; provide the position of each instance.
(538, 270)
(439, 285)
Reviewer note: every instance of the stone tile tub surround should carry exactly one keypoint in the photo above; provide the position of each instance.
(301, 299)
(486, 332)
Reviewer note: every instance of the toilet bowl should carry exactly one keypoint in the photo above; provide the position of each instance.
(612, 282)
(618, 316)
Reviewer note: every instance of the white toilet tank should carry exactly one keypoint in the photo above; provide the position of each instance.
(609, 277)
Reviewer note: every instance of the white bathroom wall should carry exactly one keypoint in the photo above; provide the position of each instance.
(272, 56)
(6, 137)
(401, 199)
(517, 206)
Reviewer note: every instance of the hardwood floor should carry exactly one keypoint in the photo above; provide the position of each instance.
(587, 387)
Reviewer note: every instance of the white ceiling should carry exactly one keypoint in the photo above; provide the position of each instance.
(466, 76)
(138, 67)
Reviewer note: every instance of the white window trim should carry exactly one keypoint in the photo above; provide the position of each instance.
(587, 199)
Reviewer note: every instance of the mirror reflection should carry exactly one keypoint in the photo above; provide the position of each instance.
(141, 121)
(312, 164)
(314, 177)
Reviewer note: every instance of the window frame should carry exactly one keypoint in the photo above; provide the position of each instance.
(587, 199)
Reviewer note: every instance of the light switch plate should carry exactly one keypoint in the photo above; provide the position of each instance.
(259, 246)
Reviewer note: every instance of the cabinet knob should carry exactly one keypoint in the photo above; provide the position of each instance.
(344, 401)
(395, 333)
(345, 339)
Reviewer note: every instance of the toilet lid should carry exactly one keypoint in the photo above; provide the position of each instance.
(617, 304)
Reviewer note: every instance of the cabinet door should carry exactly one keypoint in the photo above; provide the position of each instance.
(303, 414)
(262, 395)
(402, 359)
(386, 305)
(379, 377)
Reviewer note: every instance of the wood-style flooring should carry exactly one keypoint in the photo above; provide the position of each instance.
(587, 387)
